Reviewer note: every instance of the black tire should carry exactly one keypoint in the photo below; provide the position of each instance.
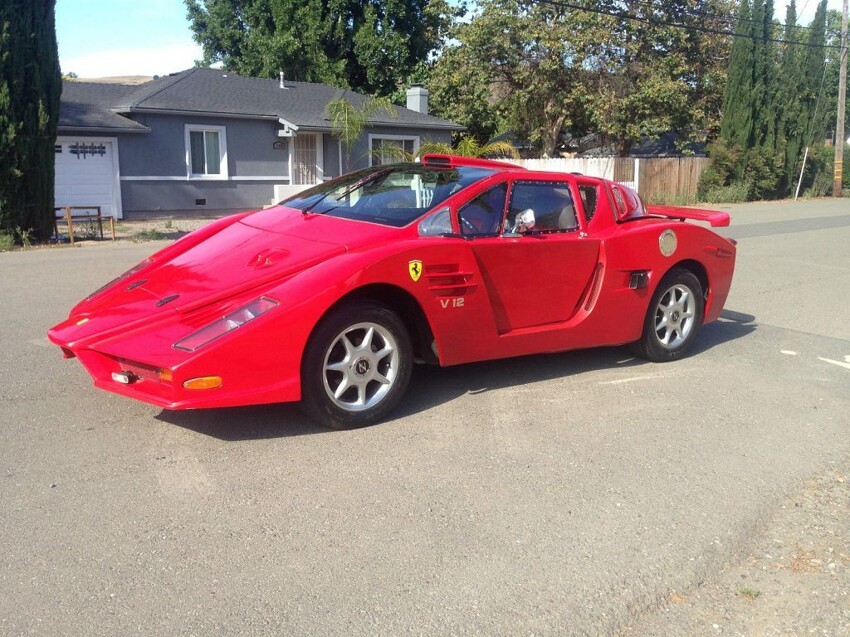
(373, 380)
(672, 321)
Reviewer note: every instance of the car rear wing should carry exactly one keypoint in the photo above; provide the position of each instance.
(437, 160)
(716, 218)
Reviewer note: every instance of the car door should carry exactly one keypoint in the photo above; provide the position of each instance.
(534, 276)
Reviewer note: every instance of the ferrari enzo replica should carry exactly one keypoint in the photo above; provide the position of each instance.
(332, 295)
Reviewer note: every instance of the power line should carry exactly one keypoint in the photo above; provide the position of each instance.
(661, 22)
(686, 27)
(719, 18)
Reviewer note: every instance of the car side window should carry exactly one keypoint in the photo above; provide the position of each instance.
(550, 201)
(588, 200)
(483, 215)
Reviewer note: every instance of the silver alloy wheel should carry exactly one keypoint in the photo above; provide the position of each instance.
(360, 366)
(674, 316)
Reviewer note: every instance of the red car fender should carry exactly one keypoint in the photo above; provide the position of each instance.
(394, 266)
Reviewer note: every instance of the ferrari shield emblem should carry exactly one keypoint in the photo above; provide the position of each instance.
(415, 269)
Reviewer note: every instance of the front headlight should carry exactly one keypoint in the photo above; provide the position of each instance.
(225, 324)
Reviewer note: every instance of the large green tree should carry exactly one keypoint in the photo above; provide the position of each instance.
(30, 87)
(621, 69)
(371, 46)
(657, 70)
(516, 66)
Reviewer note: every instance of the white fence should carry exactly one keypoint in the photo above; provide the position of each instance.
(623, 170)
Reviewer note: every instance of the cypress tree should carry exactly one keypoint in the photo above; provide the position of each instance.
(789, 137)
(30, 87)
(813, 70)
(764, 119)
(737, 124)
(761, 159)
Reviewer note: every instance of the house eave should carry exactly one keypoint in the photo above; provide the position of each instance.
(102, 129)
(168, 111)
(448, 126)
(278, 118)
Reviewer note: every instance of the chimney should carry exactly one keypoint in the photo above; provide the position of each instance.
(417, 99)
(282, 85)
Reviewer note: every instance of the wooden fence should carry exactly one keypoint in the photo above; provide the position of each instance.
(657, 179)
(671, 179)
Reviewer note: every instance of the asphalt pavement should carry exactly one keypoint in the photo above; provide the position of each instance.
(569, 494)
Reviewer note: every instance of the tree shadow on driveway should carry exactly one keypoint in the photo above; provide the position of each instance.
(432, 386)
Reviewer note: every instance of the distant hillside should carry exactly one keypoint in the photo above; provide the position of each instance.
(118, 79)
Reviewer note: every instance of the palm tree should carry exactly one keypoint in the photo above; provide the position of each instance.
(348, 122)
(468, 146)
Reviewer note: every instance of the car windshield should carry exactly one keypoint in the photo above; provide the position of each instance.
(391, 195)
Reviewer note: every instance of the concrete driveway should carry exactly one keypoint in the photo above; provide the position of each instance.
(559, 495)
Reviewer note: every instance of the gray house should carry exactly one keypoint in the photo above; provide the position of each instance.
(209, 141)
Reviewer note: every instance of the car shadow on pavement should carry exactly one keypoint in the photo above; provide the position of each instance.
(729, 327)
(234, 424)
(432, 386)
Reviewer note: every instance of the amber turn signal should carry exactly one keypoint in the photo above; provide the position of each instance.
(204, 382)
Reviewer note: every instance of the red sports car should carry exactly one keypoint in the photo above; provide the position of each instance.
(330, 297)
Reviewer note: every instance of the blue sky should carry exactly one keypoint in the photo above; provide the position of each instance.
(99, 38)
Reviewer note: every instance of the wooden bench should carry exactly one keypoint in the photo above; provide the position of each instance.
(69, 214)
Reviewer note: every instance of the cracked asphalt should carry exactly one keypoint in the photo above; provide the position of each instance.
(585, 493)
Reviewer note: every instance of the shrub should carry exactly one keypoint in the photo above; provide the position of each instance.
(817, 177)
(725, 160)
(7, 241)
(845, 178)
(24, 236)
(733, 193)
(762, 173)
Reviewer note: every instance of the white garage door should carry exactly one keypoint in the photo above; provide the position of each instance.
(86, 174)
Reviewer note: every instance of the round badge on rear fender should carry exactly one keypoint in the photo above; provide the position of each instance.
(667, 242)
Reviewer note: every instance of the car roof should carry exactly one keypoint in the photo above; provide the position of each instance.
(437, 160)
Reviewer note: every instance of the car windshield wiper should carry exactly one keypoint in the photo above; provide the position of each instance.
(357, 184)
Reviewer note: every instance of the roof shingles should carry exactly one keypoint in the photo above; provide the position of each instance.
(86, 106)
(202, 90)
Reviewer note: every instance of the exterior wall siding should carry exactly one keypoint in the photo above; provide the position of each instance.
(144, 157)
(162, 152)
(332, 156)
(168, 197)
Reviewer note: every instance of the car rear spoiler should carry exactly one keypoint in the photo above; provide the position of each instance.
(716, 218)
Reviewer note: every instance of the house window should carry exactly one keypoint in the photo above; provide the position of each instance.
(206, 152)
(386, 149)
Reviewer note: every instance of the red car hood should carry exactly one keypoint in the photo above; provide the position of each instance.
(257, 250)
(234, 260)
(240, 257)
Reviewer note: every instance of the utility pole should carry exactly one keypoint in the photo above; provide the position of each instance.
(842, 93)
